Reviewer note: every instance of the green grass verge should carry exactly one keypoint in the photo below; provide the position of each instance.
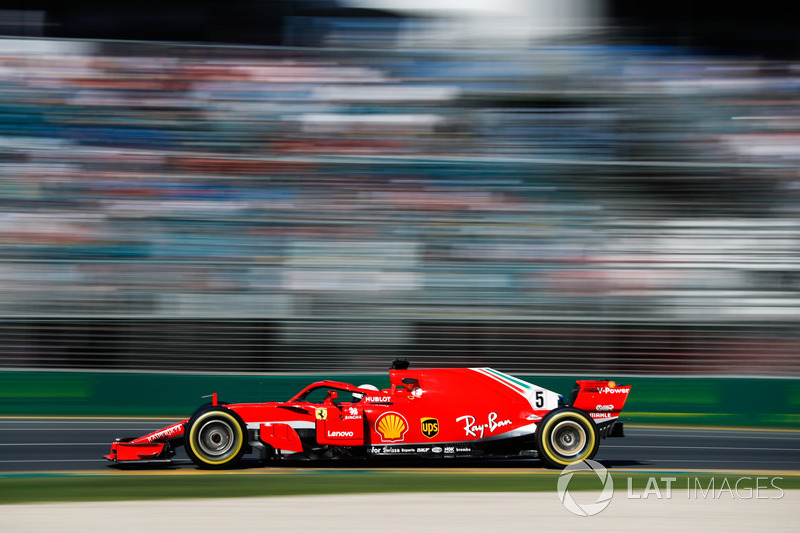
(29, 488)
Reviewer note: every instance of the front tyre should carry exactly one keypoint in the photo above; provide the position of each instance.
(565, 436)
(215, 438)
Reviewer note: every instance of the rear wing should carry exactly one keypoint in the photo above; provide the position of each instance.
(602, 400)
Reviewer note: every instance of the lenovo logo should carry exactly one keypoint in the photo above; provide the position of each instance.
(333, 434)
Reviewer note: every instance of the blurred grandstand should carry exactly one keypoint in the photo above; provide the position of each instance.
(542, 209)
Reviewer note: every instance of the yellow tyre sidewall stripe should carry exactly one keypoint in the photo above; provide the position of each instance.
(590, 438)
(238, 436)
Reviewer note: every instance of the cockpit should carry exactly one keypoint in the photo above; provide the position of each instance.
(332, 392)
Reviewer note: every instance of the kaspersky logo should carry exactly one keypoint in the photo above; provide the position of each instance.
(600, 502)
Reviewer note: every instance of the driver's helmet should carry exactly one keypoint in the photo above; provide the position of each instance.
(359, 395)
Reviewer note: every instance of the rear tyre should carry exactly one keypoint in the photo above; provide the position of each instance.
(215, 438)
(565, 436)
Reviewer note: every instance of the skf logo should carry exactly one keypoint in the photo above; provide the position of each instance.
(321, 414)
(391, 427)
(430, 427)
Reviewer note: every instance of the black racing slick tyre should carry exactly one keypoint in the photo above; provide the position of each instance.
(215, 438)
(565, 436)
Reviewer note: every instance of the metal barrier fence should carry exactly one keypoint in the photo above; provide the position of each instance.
(369, 344)
(553, 209)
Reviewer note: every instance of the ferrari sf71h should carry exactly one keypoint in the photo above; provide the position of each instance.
(438, 413)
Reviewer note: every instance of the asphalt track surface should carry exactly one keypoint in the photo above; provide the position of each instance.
(72, 444)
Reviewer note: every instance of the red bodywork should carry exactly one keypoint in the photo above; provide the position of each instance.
(429, 412)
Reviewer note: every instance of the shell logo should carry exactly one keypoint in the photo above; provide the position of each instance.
(391, 427)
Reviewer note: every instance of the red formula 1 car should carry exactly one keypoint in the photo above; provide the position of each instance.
(438, 413)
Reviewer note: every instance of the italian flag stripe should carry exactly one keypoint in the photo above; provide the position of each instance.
(499, 378)
(512, 379)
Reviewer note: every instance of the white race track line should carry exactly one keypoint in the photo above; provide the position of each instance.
(605, 446)
(704, 434)
(669, 447)
(708, 461)
(78, 429)
(55, 444)
(102, 422)
(49, 461)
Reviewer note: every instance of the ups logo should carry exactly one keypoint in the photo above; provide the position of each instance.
(430, 427)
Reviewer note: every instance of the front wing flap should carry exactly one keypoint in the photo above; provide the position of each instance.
(125, 451)
(156, 447)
